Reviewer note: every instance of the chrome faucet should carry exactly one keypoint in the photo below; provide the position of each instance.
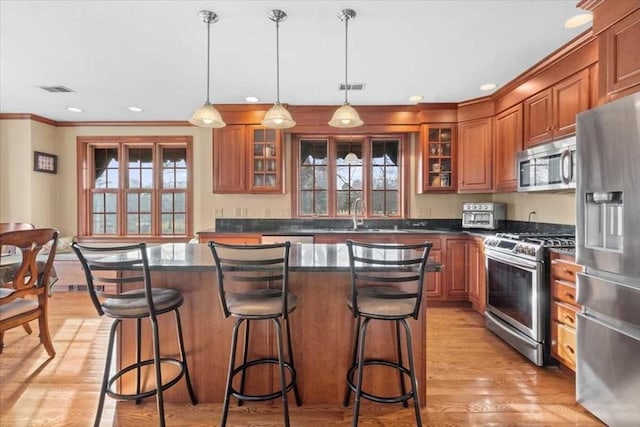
(356, 221)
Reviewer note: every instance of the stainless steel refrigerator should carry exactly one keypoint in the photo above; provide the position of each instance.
(608, 245)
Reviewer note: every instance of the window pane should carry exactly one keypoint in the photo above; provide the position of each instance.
(111, 224)
(179, 224)
(98, 202)
(321, 177)
(392, 203)
(145, 223)
(306, 203)
(147, 178)
(145, 202)
(111, 202)
(167, 202)
(98, 224)
(134, 178)
(306, 178)
(132, 224)
(167, 224)
(378, 173)
(343, 203)
(180, 202)
(105, 163)
(132, 202)
(377, 203)
(321, 203)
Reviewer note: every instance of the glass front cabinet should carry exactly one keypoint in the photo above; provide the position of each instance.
(438, 153)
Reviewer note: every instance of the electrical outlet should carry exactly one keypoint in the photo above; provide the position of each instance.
(244, 212)
(238, 212)
(421, 213)
(267, 212)
(219, 212)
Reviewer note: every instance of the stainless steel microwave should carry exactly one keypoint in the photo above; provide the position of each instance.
(548, 167)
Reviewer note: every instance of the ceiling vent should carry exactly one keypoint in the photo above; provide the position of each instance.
(352, 86)
(57, 89)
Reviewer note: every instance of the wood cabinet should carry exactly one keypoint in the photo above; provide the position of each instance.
(231, 238)
(455, 270)
(438, 157)
(247, 159)
(564, 308)
(476, 274)
(507, 143)
(620, 60)
(551, 114)
(475, 156)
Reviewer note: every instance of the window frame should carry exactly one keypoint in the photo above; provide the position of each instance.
(333, 140)
(85, 189)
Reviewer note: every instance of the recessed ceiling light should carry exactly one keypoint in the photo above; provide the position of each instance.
(488, 86)
(416, 98)
(135, 109)
(252, 99)
(74, 109)
(578, 20)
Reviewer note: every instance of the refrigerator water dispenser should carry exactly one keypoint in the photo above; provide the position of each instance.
(604, 220)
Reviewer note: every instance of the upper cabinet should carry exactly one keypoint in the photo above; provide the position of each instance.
(247, 159)
(551, 114)
(620, 60)
(508, 141)
(438, 151)
(475, 156)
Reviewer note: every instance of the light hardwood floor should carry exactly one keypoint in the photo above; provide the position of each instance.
(473, 378)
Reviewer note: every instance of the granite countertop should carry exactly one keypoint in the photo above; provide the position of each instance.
(302, 257)
(565, 251)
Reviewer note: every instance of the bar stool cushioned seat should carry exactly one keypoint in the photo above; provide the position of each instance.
(387, 283)
(126, 267)
(253, 285)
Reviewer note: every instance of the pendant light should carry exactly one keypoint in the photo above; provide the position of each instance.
(277, 117)
(207, 116)
(346, 116)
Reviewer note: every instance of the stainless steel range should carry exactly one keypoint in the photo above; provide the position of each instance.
(518, 290)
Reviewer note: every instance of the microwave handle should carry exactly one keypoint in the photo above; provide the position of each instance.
(566, 173)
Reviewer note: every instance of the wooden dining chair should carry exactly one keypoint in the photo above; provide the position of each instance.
(24, 296)
(13, 226)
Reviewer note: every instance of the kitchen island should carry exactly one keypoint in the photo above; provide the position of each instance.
(321, 326)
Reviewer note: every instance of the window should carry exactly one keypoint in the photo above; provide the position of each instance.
(332, 172)
(135, 187)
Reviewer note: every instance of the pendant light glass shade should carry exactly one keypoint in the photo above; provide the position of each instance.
(277, 117)
(207, 116)
(346, 116)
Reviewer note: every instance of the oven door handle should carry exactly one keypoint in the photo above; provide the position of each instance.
(511, 260)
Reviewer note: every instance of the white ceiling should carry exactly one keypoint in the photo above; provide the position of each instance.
(152, 54)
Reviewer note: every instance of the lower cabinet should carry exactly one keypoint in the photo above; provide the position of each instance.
(231, 238)
(455, 270)
(564, 308)
(476, 274)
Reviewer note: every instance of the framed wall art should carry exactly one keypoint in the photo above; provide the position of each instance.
(44, 162)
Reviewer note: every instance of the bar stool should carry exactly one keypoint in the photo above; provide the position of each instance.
(126, 265)
(253, 285)
(386, 284)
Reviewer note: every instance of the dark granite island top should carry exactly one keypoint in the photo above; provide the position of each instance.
(332, 257)
(321, 326)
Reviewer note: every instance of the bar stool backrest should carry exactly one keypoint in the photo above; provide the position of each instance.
(103, 267)
(248, 268)
(381, 265)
